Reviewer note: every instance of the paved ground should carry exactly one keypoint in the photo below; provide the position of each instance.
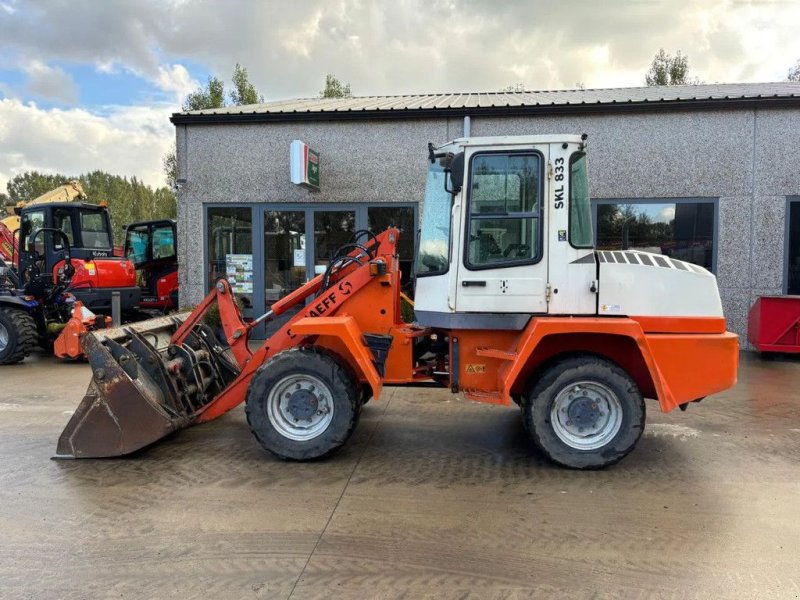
(434, 497)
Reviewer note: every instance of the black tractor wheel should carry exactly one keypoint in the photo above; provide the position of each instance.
(584, 412)
(303, 404)
(17, 335)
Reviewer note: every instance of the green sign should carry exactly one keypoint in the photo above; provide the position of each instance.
(312, 169)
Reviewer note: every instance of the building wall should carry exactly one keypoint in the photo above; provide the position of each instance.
(746, 158)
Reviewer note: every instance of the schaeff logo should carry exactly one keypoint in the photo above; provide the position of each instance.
(331, 300)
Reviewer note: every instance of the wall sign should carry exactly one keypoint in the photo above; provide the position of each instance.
(304, 164)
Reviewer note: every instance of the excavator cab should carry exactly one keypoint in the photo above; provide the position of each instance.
(87, 227)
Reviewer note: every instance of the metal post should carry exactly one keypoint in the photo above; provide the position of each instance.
(116, 309)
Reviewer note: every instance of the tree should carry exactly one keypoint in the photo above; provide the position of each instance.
(211, 96)
(514, 87)
(794, 73)
(128, 200)
(169, 162)
(244, 92)
(32, 184)
(668, 70)
(335, 88)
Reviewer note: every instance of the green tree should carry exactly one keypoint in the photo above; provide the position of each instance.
(335, 88)
(169, 162)
(210, 96)
(668, 70)
(128, 200)
(794, 72)
(244, 92)
(32, 184)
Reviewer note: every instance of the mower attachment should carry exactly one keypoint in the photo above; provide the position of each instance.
(144, 386)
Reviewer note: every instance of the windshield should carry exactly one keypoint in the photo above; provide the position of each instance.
(94, 229)
(580, 208)
(434, 240)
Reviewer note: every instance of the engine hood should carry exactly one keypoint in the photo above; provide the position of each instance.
(636, 283)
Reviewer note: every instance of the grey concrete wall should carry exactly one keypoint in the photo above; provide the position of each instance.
(746, 158)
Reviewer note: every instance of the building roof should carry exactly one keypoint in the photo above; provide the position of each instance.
(702, 96)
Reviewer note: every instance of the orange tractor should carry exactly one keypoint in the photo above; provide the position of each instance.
(512, 305)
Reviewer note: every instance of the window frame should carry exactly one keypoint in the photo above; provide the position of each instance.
(713, 200)
(539, 215)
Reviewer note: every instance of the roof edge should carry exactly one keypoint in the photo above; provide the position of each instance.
(492, 111)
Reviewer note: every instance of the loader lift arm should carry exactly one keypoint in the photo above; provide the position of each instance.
(158, 376)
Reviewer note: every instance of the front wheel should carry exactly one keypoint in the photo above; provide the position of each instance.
(303, 404)
(585, 412)
(17, 335)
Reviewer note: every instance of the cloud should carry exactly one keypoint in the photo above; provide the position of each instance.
(124, 141)
(50, 83)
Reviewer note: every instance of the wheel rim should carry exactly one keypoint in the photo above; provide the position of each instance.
(300, 407)
(586, 415)
(3, 337)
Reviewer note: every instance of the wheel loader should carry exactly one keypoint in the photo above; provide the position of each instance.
(513, 304)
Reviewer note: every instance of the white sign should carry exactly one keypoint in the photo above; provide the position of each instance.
(239, 272)
(300, 258)
(304, 165)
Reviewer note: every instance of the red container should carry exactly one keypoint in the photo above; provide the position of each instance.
(773, 324)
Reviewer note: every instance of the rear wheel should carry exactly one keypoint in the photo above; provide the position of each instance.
(303, 404)
(17, 335)
(585, 412)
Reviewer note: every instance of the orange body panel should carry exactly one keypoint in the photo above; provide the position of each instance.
(674, 368)
(675, 360)
(68, 343)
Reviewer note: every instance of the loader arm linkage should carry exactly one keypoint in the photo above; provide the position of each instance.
(158, 376)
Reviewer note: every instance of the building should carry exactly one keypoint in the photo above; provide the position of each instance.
(705, 173)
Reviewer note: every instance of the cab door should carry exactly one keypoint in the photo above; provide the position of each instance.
(502, 266)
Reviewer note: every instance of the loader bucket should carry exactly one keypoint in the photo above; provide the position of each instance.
(144, 387)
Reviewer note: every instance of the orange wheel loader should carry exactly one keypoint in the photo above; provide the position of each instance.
(513, 304)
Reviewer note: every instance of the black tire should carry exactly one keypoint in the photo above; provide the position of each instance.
(584, 436)
(20, 331)
(311, 380)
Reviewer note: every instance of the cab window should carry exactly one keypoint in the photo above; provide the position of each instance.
(94, 231)
(504, 226)
(163, 242)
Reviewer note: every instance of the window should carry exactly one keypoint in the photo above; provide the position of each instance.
(504, 211)
(580, 209)
(62, 220)
(136, 242)
(163, 242)
(94, 230)
(679, 229)
(230, 250)
(433, 256)
(793, 249)
(31, 221)
(380, 218)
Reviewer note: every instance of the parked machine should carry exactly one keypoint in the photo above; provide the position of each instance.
(152, 247)
(61, 252)
(512, 304)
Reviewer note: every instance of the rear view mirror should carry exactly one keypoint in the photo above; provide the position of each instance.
(454, 167)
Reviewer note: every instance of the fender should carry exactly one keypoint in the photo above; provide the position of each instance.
(352, 346)
(540, 328)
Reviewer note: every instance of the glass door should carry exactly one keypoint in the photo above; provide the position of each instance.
(332, 230)
(793, 249)
(230, 252)
(284, 260)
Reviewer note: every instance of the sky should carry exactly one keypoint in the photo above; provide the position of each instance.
(91, 84)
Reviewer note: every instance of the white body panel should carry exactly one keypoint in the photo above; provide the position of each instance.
(642, 284)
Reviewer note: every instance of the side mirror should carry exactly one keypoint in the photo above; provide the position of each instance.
(454, 167)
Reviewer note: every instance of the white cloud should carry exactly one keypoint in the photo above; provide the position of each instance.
(666, 214)
(176, 80)
(124, 141)
(50, 83)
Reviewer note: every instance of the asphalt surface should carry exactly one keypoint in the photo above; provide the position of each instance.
(434, 496)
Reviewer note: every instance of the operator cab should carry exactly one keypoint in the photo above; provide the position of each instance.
(506, 233)
(86, 226)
